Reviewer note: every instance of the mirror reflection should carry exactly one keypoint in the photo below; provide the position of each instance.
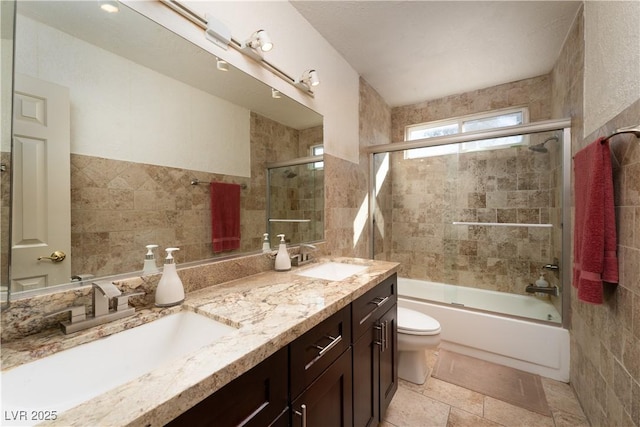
(114, 118)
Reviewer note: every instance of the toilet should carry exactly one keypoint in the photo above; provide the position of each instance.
(417, 333)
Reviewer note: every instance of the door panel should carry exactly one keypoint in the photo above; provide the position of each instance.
(41, 174)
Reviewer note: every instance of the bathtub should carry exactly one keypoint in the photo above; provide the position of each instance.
(528, 345)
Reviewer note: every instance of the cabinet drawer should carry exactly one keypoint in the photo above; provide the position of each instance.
(369, 307)
(314, 351)
(254, 399)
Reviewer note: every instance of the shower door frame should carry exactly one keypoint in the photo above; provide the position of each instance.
(563, 125)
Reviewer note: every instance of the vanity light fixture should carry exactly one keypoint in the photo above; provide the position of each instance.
(308, 80)
(109, 6)
(259, 40)
(217, 33)
(222, 65)
(275, 93)
(253, 47)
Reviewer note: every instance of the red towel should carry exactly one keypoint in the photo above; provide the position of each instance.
(225, 216)
(595, 257)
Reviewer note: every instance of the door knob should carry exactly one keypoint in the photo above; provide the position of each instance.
(57, 256)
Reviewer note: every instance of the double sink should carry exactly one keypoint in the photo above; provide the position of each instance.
(58, 382)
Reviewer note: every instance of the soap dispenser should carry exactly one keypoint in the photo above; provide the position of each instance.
(266, 245)
(170, 291)
(283, 262)
(541, 282)
(150, 266)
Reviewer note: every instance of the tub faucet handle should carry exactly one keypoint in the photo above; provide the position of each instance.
(552, 267)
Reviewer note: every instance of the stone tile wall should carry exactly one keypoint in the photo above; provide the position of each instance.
(605, 339)
(510, 185)
(507, 185)
(118, 207)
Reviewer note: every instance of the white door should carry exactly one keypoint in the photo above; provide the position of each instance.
(41, 184)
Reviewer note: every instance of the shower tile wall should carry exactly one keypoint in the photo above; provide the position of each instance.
(507, 185)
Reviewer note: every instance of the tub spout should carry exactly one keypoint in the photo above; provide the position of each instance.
(551, 290)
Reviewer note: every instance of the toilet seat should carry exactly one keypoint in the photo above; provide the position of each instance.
(413, 322)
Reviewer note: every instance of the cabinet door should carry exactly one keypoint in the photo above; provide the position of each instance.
(388, 358)
(366, 378)
(327, 402)
(256, 398)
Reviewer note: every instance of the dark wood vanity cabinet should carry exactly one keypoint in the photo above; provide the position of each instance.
(375, 353)
(320, 372)
(257, 398)
(327, 402)
(342, 372)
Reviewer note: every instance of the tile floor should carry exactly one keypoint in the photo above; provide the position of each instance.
(439, 404)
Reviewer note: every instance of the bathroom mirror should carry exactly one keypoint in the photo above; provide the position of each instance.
(7, 14)
(151, 119)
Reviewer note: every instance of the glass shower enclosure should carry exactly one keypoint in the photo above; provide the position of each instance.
(295, 200)
(487, 211)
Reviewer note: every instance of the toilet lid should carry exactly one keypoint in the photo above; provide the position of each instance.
(416, 323)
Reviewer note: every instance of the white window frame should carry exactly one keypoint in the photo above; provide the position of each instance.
(465, 147)
(316, 150)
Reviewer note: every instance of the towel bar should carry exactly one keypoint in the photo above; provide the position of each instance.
(196, 181)
(631, 129)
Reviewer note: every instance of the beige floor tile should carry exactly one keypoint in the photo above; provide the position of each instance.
(565, 419)
(411, 409)
(386, 424)
(561, 396)
(451, 394)
(513, 416)
(459, 418)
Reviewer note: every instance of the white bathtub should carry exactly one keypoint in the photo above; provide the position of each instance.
(531, 346)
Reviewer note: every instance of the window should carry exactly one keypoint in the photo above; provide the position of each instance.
(490, 120)
(317, 150)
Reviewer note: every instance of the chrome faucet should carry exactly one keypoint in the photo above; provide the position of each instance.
(551, 290)
(109, 304)
(305, 254)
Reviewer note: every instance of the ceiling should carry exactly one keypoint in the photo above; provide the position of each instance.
(413, 51)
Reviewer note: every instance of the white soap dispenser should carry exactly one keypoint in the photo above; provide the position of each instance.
(170, 290)
(150, 266)
(266, 245)
(283, 262)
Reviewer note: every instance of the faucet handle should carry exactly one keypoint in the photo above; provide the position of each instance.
(122, 301)
(78, 313)
(306, 248)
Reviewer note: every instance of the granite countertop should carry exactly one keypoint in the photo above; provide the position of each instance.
(269, 310)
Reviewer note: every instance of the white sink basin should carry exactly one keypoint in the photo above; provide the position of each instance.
(70, 377)
(333, 271)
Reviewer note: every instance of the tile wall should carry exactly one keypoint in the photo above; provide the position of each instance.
(118, 207)
(420, 199)
(605, 339)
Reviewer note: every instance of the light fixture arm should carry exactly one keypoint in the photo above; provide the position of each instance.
(189, 14)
